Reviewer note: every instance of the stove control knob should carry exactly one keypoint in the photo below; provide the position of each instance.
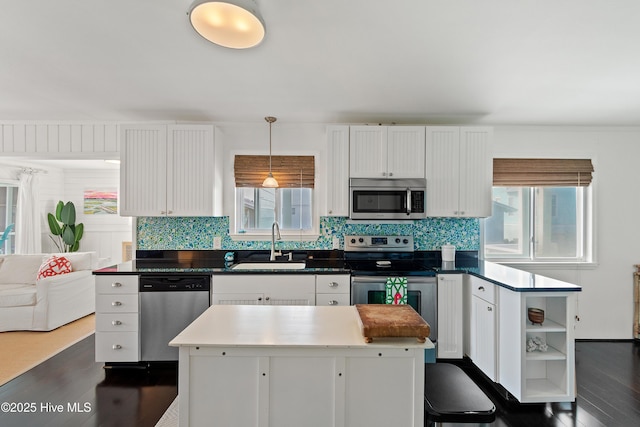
(361, 240)
(405, 241)
(353, 241)
(397, 240)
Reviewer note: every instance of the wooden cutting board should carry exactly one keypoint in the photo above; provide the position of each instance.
(389, 320)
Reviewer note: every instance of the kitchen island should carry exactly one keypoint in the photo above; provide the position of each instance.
(296, 365)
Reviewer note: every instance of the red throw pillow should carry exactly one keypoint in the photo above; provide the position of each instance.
(54, 266)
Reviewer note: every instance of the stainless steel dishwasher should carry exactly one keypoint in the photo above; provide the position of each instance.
(168, 304)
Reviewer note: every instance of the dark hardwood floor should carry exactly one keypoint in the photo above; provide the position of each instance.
(608, 376)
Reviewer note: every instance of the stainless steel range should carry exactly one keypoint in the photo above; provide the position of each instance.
(373, 259)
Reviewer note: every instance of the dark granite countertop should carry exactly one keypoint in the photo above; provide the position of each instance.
(331, 262)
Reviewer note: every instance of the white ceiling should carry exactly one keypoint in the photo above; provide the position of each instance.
(569, 62)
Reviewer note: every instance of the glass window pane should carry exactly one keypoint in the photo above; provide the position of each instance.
(258, 208)
(557, 222)
(507, 230)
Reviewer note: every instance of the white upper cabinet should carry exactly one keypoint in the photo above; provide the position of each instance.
(338, 170)
(167, 170)
(459, 171)
(387, 152)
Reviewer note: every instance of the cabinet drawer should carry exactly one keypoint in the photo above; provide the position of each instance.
(333, 283)
(117, 303)
(115, 322)
(335, 300)
(483, 289)
(117, 347)
(116, 284)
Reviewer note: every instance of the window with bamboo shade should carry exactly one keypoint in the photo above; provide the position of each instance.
(541, 211)
(290, 204)
(289, 171)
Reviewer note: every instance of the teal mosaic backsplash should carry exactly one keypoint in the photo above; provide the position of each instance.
(197, 233)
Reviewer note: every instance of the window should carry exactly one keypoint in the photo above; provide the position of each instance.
(538, 224)
(258, 208)
(541, 211)
(8, 203)
(291, 204)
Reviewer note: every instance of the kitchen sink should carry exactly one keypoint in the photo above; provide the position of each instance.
(269, 266)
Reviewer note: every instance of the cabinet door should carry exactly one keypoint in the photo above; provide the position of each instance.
(290, 290)
(244, 298)
(483, 337)
(338, 171)
(190, 170)
(443, 170)
(273, 289)
(406, 151)
(302, 391)
(476, 172)
(450, 316)
(143, 170)
(368, 151)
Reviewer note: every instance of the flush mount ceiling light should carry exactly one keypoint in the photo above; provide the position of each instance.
(270, 181)
(236, 24)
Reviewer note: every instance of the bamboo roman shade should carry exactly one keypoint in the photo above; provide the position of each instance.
(289, 171)
(542, 172)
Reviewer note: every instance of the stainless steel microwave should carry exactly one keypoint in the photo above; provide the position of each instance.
(387, 198)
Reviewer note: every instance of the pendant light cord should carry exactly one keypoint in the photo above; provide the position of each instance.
(270, 119)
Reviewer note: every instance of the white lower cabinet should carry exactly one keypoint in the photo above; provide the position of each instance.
(333, 289)
(263, 289)
(117, 319)
(537, 376)
(450, 316)
(312, 387)
(483, 350)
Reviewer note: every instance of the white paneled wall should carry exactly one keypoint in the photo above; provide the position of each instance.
(59, 139)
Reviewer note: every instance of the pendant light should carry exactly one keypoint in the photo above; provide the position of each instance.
(236, 24)
(270, 181)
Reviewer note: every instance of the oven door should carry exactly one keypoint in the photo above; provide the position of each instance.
(421, 295)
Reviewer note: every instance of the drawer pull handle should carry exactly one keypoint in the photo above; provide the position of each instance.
(333, 284)
(116, 284)
(481, 288)
(116, 323)
(489, 309)
(116, 303)
(116, 347)
(333, 302)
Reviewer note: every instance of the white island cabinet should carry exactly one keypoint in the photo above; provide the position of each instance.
(291, 366)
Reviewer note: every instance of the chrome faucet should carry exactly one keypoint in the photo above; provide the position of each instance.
(274, 227)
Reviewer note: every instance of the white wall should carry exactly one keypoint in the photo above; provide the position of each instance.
(605, 306)
(287, 139)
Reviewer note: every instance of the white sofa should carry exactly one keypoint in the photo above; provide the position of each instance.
(28, 303)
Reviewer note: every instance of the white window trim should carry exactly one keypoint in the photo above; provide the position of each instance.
(589, 233)
(287, 234)
(290, 235)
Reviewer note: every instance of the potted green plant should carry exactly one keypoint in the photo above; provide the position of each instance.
(66, 234)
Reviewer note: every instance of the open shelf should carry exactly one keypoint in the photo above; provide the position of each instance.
(547, 326)
(544, 390)
(551, 354)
